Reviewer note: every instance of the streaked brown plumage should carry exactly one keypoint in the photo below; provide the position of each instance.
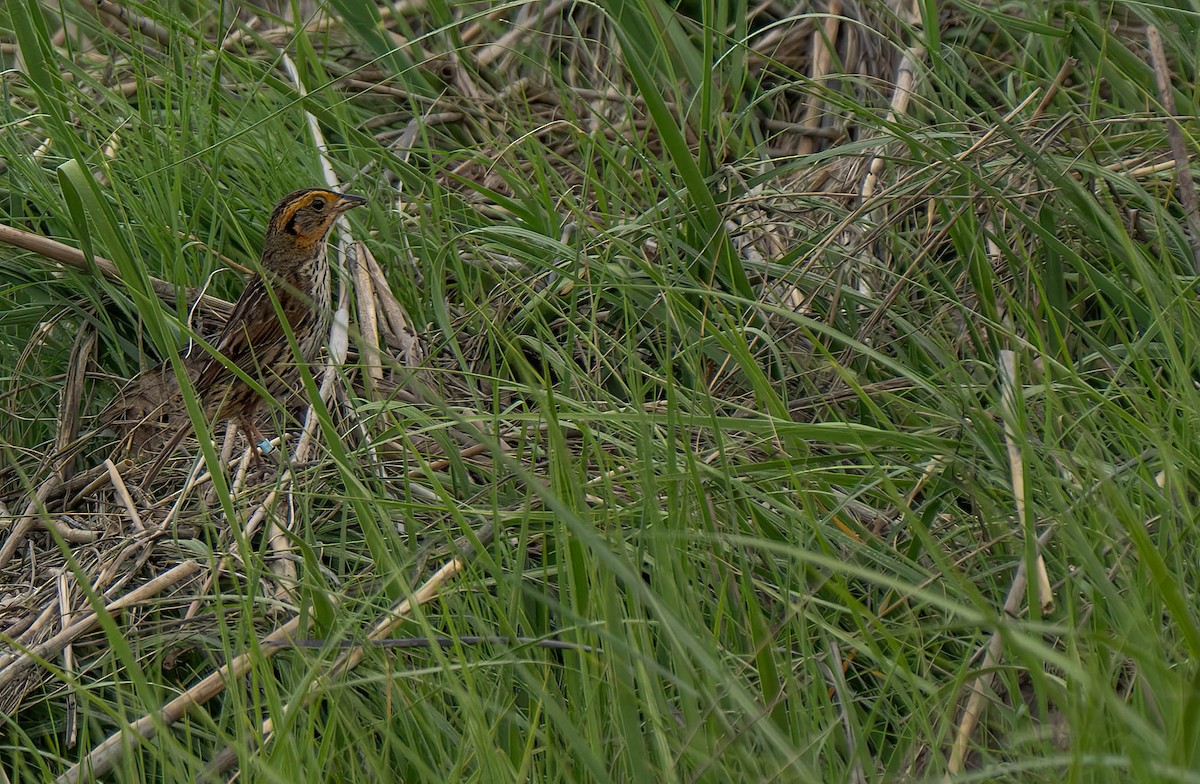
(296, 273)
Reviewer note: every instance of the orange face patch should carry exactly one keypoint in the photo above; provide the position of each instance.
(307, 200)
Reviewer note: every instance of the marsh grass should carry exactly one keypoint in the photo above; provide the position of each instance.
(747, 442)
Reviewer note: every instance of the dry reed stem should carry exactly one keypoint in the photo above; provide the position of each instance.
(68, 655)
(71, 400)
(983, 140)
(102, 758)
(1059, 79)
(225, 458)
(91, 481)
(368, 323)
(1187, 185)
(1016, 462)
(29, 633)
(132, 21)
(401, 335)
(75, 258)
(122, 491)
(505, 43)
(137, 546)
(821, 51)
(30, 657)
(350, 658)
(905, 84)
(16, 536)
(443, 463)
(981, 684)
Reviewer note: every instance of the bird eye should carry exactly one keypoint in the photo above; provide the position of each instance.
(318, 204)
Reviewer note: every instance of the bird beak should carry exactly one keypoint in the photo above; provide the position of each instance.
(347, 202)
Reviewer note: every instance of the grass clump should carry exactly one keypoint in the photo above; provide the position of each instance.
(730, 394)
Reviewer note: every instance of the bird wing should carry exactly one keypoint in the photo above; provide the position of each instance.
(252, 332)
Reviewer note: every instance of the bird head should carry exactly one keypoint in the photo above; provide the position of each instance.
(303, 218)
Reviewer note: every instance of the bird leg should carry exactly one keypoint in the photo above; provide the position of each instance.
(260, 443)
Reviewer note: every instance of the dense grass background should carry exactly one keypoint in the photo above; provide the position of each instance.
(761, 458)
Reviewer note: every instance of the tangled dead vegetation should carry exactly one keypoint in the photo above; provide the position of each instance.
(806, 235)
